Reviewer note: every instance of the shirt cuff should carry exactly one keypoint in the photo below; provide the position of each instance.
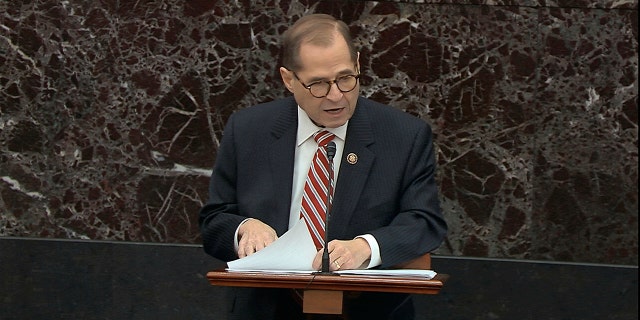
(375, 260)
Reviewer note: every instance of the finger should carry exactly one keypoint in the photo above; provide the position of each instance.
(317, 261)
(241, 252)
(246, 248)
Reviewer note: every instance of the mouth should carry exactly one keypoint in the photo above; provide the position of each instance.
(334, 110)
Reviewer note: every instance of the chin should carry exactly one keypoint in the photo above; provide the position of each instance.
(335, 124)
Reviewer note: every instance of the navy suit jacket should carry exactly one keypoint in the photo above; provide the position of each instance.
(390, 192)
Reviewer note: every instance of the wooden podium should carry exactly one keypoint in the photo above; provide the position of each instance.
(324, 294)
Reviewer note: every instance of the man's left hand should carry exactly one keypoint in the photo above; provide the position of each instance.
(345, 254)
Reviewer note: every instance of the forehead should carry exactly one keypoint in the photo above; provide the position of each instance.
(325, 59)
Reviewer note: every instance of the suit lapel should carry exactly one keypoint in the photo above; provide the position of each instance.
(353, 177)
(281, 158)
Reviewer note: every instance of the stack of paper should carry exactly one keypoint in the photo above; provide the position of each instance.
(294, 253)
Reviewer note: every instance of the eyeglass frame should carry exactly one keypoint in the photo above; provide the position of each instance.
(330, 82)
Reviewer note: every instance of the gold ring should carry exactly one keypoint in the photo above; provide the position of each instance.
(337, 264)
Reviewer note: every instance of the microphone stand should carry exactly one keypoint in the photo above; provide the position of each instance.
(331, 152)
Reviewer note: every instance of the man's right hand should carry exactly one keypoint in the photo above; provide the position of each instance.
(254, 235)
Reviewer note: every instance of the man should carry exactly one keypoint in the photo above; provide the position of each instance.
(385, 207)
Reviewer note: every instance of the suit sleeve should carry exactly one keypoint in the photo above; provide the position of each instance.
(419, 226)
(219, 218)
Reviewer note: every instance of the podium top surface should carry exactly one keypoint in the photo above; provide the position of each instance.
(343, 282)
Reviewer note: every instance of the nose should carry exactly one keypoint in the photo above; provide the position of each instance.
(334, 93)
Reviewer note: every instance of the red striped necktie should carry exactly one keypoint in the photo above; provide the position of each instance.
(314, 200)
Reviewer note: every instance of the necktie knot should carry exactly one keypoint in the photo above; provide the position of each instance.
(323, 137)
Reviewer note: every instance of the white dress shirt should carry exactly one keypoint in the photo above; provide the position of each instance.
(306, 148)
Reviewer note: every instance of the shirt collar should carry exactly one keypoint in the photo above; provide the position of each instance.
(306, 128)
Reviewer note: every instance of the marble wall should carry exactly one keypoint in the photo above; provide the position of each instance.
(111, 113)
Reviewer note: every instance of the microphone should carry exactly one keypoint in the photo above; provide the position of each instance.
(331, 152)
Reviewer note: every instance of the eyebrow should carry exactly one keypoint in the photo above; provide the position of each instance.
(344, 72)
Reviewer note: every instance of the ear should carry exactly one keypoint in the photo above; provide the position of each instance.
(358, 62)
(287, 78)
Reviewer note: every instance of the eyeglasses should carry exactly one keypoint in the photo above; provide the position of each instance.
(320, 89)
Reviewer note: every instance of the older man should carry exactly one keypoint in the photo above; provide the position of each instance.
(384, 208)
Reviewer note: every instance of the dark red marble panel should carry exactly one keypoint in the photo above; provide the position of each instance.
(111, 113)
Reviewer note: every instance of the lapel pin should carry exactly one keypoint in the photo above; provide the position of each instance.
(352, 158)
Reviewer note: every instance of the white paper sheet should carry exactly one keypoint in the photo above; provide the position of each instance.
(293, 251)
(427, 274)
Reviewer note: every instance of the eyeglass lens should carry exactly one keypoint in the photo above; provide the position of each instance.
(345, 84)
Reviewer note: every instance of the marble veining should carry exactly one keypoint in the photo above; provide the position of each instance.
(111, 113)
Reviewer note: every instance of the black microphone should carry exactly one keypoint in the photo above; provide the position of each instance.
(331, 152)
